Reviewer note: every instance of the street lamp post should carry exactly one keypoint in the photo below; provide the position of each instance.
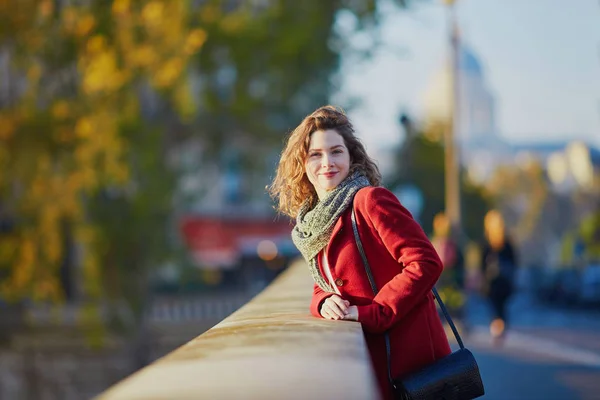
(451, 165)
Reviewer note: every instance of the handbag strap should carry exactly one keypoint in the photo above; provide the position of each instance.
(374, 287)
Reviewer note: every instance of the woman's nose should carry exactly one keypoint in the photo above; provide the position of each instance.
(327, 161)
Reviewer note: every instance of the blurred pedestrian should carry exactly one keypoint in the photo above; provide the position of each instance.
(325, 176)
(499, 264)
(452, 280)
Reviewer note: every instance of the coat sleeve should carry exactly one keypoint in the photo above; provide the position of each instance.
(407, 243)
(319, 296)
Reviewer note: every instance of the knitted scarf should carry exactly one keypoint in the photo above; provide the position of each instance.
(314, 227)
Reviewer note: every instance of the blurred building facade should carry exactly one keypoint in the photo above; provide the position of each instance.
(482, 148)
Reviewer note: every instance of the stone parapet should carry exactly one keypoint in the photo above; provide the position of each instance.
(271, 348)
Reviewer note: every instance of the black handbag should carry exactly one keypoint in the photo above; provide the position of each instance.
(454, 377)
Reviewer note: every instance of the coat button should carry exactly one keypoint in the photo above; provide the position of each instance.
(339, 282)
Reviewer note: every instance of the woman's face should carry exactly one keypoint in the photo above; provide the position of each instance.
(327, 162)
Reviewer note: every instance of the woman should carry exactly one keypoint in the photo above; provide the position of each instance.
(499, 264)
(324, 172)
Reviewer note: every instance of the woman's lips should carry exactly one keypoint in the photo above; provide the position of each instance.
(329, 174)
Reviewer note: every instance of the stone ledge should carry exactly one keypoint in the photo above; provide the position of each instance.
(271, 348)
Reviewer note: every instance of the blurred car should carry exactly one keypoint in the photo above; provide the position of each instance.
(561, 286)
(590, 285)
(572, 287)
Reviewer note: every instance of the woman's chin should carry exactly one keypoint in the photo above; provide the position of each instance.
(329, 186)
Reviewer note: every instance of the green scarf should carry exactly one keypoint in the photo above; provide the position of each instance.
(314, 227)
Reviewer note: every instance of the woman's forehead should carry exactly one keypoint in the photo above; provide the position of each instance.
(325, 139)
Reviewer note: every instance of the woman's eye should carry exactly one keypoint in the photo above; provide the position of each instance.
(313, 155)
(337, 151)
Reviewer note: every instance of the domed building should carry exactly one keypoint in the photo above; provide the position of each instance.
(480, 147)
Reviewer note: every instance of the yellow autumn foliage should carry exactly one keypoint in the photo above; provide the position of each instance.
(194, 41)
(168, 73)
(101, 73)
(45, 8)
(66, 143)
(7, 127)
(85, 25)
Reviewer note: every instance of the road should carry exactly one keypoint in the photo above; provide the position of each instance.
(549, 353)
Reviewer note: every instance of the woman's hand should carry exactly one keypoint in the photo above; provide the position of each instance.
(352, 314)
(334, 307)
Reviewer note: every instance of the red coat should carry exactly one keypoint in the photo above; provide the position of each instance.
(405, 267)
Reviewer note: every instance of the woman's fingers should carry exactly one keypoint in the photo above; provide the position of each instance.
(335, 311)
(352, 314)
(329, 315)
(341, 303)
(326, 313)
(335, 307)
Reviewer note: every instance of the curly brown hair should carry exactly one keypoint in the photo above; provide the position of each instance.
(291, 187)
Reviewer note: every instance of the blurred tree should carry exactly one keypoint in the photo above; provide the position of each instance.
(95, 96)
(420, 161)
(264, 67)
(81, 169)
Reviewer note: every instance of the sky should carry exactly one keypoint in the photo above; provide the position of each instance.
(541, 60)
